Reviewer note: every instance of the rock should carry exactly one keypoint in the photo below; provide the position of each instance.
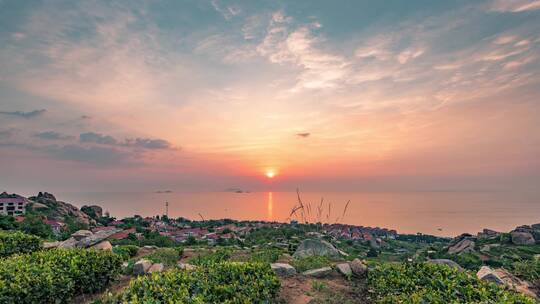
(104, 245)
(343, 253)
(318, 273)
(81, 234)
(157, 267)
(147, 250)
(522, 238)
(373, 244)
(446, 262)
(96, 238)
(488, 233)
(58, 210)
(358, 268)
(313, 247)
(485, 273)
(186, 266)
(92, 211)
(488, 247)
(462, 246)
(503, 277)
(283, 269)
(69, 243)
(344, 269)
(141, 267)
(50, 245)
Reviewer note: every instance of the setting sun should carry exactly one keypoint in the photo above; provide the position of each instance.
(270, 174)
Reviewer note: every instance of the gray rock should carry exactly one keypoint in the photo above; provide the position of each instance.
(446, 262)
(81, 234)
(522, 238)
(283, 269)
(96, 238)
(186, 266)
(50, 245)
(344, 269)
(318, 273)
(69, 243)
(312, 247)
(103, 245)
(462, 246)
(358, 268)
(157, 267)
(141, 267)
(487, 274)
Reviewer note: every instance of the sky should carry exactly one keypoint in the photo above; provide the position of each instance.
(328, 95)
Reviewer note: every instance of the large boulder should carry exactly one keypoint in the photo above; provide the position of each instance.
(463, 246)
(157, 267)
(318, 273)
(51, 245)
(488, 233)
(69, 243)
(522, 238)
(96, 238)
(283, 269)
(358, 268)
(503, 277)
(344, 269)
(141, 267)
(92, 211)
(103, 245)
(446, 262)
(58, 210)
(313, 247)
(81, 234)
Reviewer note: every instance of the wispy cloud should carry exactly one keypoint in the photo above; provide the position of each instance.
(52, 135)
(91, 137)
(515, 6)
(27, 115)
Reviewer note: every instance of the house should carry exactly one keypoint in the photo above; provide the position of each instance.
(56, 226)
(123, 234)
(12, 204)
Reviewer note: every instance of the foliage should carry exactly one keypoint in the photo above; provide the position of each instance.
(18, 242)
(429, 283)
(166, 256)
(528, 270)
(220, 255)
(218, 283)
(372, 253)
(126, 251)
(55, 276)
(72, 225)
(311, 262)
(33, 224)
(7, 222)
(421, 238)
(266, 255)
(149, 238)
(317, 285)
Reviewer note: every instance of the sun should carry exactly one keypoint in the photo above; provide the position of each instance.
(270, 174)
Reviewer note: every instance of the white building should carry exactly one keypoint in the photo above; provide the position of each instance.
(12, 204)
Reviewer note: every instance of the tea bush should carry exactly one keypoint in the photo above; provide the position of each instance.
(167, 256)
(227, 282)
(56, 276)
(428, 283)
(126, 251)
(221, 255)
(18, 242)
(266, 256)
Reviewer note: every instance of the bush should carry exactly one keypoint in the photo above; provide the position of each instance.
(33, 224)
(167, 256)
(221, 255)
(312, 262)
(227, 282)
(126, 251)
(55, 276)
(428, 283)
(18, 242)
(266, 256)
(528, 270)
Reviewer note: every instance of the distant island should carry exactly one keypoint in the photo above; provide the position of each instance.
(163, 191)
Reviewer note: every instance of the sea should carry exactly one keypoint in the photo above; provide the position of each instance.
(444, 213)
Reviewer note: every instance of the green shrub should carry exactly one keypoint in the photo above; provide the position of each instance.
(265, 256)
(428, 283)
(221, 255)
(18, 242)
(528, 270)
(126, 251)
(55, 276)
(226, 282)
(167, 256)
(311, 262)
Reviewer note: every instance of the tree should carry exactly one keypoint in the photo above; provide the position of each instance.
(33, 224)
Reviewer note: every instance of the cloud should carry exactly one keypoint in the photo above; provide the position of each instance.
(52, 135)
(6, 134)
(26, 115)
(515, 6)
(148, 143)
(227, 11)
(304, 135)
(91, 137)
(101, 156)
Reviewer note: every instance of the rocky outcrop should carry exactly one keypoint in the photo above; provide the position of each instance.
(103, 245)
(522, 238)
(92, 211)
(313, 247)
(502, 277)
(462, 244)
(446, 262)
(81, 234)
(141, 267)
(156, 267)
(488, 233)
(90, 240)
(358, 268)
(344, 269)
(58, 210)
(318, 273)
(283, 269)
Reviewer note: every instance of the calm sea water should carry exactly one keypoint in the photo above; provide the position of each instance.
(438, 213)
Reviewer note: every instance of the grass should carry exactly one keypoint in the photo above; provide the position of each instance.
(312, 262)
(166, 256)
